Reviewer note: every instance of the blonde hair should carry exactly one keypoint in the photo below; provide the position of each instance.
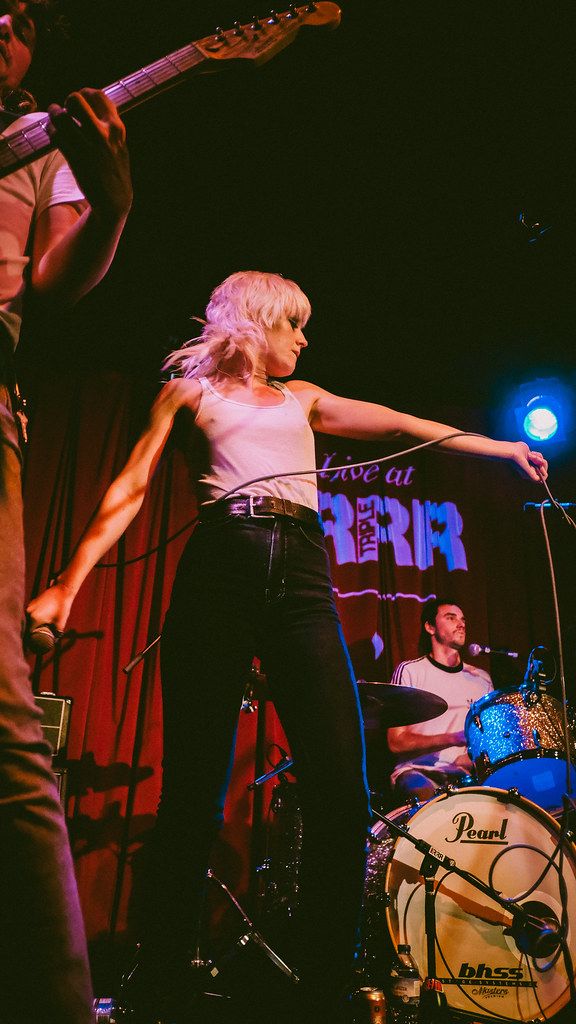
(233, 334)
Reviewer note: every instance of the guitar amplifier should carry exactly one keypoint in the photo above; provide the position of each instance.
(55, 721)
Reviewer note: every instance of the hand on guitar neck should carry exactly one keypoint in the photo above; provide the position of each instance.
(256, 42)
(92, 137)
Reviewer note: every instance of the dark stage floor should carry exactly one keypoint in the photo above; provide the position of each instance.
(217, 1010)
(250, 995)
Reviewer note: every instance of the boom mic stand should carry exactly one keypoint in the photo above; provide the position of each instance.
(534, 936)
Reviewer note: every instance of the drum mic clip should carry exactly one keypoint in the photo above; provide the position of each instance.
(536, 675)
(283, 765)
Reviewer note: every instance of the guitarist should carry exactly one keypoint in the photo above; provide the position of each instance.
(61, 218)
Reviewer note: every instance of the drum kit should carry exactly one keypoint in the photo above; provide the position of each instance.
(480, 880)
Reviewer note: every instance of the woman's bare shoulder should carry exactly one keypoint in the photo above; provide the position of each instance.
(305, 393)
(180, 394)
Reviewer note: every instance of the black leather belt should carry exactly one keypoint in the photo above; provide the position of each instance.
(261, 507)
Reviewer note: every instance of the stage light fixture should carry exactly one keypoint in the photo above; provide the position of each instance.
(540, 422)
(544, 411)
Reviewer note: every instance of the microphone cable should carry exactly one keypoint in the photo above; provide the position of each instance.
(279, 476)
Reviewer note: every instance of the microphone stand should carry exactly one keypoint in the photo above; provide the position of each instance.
(433, 1008)
(533, 935)
(251, 934)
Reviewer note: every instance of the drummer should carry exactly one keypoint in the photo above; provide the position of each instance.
(432, 754)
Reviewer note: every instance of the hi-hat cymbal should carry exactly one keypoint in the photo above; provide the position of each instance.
(385, 705)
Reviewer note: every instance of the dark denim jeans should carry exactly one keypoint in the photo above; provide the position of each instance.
(44, 974)
(248, 587)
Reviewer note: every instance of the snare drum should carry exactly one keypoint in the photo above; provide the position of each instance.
(506, 841)
(515, 739)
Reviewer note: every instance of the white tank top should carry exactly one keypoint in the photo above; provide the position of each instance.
(247, 441)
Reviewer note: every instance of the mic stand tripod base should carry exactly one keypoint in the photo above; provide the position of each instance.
(433, 1008)
(203, 969)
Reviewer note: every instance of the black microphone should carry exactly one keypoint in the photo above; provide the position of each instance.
(43, 638)
(476, 649)
(537, 931)
(282, 766)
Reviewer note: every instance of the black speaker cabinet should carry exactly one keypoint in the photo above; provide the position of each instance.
(55, 721)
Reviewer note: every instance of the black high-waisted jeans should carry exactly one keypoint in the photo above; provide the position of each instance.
(248, 587)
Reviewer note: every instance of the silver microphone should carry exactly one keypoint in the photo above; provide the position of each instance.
(476, 649)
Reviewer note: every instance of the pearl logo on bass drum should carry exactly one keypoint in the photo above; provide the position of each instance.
(466, 833)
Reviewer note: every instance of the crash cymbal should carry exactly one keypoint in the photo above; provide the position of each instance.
(385, 705)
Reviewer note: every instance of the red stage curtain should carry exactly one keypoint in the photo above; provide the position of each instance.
(396, 534)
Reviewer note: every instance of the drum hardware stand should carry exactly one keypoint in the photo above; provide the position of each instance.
(433, 1007)
(534, 936)
(256, 699)
(209, 967)
(250, 935)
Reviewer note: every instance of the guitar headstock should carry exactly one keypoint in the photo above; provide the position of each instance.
(262, 38)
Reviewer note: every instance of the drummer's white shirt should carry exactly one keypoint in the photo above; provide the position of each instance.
(459, 687)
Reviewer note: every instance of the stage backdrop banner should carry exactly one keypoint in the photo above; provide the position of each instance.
(397, 533)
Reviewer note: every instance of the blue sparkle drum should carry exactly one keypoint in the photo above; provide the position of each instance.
(516, 741)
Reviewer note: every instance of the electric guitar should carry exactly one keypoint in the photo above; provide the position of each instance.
(256, 41)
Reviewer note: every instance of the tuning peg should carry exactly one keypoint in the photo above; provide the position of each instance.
(255, 25)
(292, 12)
(219, 35)
(273, 19)
(238, 30)
(311, 7)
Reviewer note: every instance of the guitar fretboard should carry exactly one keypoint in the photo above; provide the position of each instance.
(33, 141)
(127, 92)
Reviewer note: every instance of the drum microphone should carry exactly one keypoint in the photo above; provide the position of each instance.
(476, 649)
(535, 929)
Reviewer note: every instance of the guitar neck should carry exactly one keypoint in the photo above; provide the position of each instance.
(258, 42)
(33, 141)
(162, 74)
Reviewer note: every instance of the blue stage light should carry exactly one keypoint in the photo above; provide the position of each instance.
(540, 422)
(544, 411)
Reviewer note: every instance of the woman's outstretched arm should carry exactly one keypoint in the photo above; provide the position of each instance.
(118, 507)
(347, 417)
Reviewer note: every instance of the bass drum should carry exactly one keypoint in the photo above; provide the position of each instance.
(509, 843)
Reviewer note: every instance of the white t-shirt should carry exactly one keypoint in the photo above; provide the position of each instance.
(24, 195)
(459, 687)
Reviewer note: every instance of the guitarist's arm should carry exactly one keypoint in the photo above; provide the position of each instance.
(73, 250)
